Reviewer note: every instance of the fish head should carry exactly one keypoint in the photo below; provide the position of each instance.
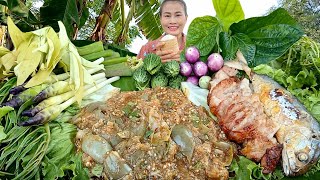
(301, 149)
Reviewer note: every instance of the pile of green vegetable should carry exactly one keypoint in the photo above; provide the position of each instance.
(44, 80)
(37, 152)
(117, 61)
(114, 63)
(153, 73)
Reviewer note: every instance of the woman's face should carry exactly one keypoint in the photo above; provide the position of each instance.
(173, 18)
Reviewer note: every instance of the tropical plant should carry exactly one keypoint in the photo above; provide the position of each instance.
(145, 14)
(72, 13)
(110, 20)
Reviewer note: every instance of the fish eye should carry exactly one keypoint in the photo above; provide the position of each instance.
(303, 157)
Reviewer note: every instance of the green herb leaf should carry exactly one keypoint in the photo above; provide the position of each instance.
(230, 45)
(228, 12)
(148, 134)
(60, 151)
(245, 169)
(97, 170)
(315, 110)
(272, 34)
(203, 33)
(303, 78)
(125, 83)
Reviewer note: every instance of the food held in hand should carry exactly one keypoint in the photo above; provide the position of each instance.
(171, 43)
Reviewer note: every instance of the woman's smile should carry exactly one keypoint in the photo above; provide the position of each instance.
(173, 28)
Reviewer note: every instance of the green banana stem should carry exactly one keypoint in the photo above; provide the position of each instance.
(123, 35)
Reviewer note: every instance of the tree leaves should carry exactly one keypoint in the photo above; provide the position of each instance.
(147, 18)
(66, 11)
(16, 6)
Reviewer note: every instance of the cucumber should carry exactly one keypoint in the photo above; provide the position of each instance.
(96, 55)
(114, 55)
(114, 61)
(90, 48)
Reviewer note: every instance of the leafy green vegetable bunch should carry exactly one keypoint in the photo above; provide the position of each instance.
(260, 39)
(37, 152)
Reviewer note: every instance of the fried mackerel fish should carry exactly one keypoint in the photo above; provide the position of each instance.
(152, 134)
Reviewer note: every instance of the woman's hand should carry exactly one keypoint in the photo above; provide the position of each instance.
(167, 55)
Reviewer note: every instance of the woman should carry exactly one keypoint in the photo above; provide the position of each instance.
(173, 18)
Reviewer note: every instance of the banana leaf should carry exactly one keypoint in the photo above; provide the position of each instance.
(16, 7)
(125, 83)
(67, 11)
(147, 18)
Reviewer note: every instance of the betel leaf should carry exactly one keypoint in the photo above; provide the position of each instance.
(125, 83)
(230, 45)
(228, 12)
(278, 16)
(203, 33)
(57, 10)
(274, 41)
(272, 34)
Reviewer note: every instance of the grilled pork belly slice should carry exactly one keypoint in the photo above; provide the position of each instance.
(241, 116)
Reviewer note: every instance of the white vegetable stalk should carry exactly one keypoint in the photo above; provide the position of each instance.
(98, 76)
(95, 69)
(64, 76)
(53, 111)
(91, 64)
(57, 99)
